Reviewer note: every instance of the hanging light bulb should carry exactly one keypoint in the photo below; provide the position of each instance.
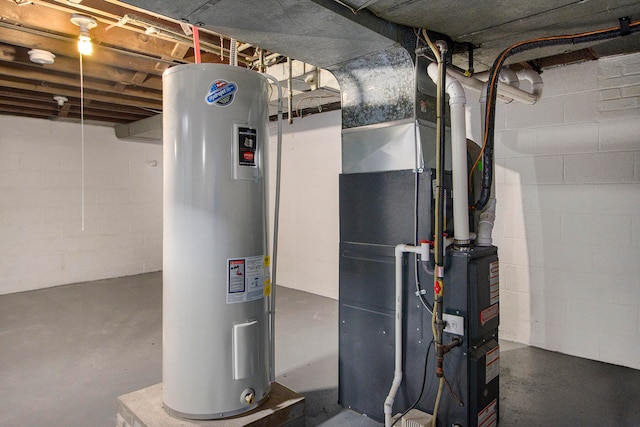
(85, 47)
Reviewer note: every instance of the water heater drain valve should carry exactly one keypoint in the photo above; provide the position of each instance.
(248, 396)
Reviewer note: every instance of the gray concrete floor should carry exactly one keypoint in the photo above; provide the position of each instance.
(66, 353)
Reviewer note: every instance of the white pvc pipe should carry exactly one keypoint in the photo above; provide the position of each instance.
(459, 169)
(506, 92)
(532, 77)
(423, 251)
(485, 225)
(508, 76)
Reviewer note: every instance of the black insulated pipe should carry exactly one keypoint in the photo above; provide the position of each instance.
(626, 27)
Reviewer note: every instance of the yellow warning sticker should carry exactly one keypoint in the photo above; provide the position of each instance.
(267, 289)
(267, 261)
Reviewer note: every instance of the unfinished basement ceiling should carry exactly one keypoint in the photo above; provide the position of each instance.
(327, 32)
(494, 25)
(123, 76)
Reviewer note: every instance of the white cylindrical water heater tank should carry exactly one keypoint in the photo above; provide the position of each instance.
(215, 282)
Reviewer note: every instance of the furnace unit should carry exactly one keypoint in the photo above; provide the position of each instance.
(377, 211)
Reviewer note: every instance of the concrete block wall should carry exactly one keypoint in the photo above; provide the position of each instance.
(568, 226)
(42, 243)
(309, 220)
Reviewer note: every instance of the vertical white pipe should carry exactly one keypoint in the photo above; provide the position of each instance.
(423, 251)
(457, 102)
(397, 373)
(459, 161)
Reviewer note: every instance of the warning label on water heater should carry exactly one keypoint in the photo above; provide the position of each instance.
(245, 279)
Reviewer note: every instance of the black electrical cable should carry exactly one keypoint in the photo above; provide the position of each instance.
(424, 383)
(486, 154)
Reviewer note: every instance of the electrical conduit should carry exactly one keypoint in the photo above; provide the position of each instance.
(423, 251)
(276, 220)
(233, 52)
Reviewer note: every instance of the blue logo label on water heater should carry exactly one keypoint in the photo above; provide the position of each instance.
(221, 93)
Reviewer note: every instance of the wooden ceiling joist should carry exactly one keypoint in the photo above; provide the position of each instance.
(122, 79)
(55, 90)
(50, 78)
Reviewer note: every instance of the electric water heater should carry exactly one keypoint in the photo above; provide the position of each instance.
(215, 280)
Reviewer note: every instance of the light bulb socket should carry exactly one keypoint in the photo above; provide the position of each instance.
(85, 23)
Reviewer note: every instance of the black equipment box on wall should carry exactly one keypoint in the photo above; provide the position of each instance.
(377, 212)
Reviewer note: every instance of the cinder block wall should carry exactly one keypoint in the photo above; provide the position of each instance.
(568, 227)
(42, 243)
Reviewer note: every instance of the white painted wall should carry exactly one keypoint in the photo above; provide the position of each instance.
(568, 226)
(309, 224)
(41, 239)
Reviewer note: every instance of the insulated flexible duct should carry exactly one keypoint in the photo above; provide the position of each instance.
(626, 27)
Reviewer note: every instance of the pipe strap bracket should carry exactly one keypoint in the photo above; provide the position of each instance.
(624, 26)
